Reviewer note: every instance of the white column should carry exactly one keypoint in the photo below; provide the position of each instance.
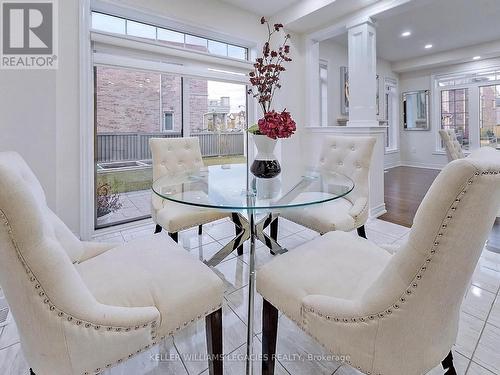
(362, 73)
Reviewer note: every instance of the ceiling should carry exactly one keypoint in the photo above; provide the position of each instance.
(328, 14)
(446, 24)
(262, 7)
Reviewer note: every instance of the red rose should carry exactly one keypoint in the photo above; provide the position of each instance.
(277, 125)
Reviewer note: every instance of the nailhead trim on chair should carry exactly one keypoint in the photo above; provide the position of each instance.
(357, 224)
(413, 284)
(37, 286)
(155, 342)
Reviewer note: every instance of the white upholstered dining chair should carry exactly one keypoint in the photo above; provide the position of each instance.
(390, 313)
(350, 156)
(171, 156)
(81, 307)
(451, 144)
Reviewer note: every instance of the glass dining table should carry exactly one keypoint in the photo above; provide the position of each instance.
(254, 204)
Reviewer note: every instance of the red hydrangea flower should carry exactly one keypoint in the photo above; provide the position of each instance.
(277, 125)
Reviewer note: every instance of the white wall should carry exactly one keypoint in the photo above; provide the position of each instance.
(40, 109)
(336, 56)
(418, 148)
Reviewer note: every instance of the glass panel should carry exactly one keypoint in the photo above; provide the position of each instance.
(490, 116)
(217, 48)
(168, 121)
(217, 116)
(194, 42)
(455, 113)
(237, 52)
(128, 114)
(110, 24)
(141, 30)
(173, 37)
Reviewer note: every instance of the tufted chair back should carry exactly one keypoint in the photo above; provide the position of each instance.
(350, 156)
(451, 144)
(171, 156)
(174, 155)
(14, 165)
(36, 271)
(419, 293)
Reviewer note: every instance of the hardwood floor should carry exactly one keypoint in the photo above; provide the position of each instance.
(405, 187)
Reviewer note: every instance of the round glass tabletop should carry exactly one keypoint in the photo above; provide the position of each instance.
(225, 187)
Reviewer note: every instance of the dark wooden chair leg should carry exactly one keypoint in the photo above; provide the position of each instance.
(361, 231)
(448, 365)
(269, 335)
(158, 228)
(237, 229)
(213, 324)
(274, 229)
(31, 372)
(175, 236)
(240, 248)
(200, 230)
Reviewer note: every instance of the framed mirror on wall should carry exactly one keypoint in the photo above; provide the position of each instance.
(416, 110)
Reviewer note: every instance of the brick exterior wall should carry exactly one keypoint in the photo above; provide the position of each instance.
(198, 104)
(129, 101)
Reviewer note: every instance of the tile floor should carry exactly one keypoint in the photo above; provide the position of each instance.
(134, 204)
(476, 351)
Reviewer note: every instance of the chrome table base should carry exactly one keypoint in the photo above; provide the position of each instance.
(245, 233)
(249, 229)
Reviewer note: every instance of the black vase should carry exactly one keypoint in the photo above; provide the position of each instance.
(265, 164)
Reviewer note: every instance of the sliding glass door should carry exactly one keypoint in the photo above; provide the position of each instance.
(455, 114)
(489, 113)
(132, 106)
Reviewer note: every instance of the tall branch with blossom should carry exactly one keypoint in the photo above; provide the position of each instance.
(265, 80)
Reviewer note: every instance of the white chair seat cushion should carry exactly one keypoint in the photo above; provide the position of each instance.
(154, 272)
(322, 218)
(174, 217)
(337, 264)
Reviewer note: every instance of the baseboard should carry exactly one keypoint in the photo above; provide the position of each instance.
(377, 211)
(421, 165)
(392, 165)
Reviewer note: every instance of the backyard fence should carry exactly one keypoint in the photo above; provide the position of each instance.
(114, 147)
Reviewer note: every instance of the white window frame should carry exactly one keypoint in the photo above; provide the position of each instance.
(88, 60)
(163, 128)
(393, 126)
(474, 102)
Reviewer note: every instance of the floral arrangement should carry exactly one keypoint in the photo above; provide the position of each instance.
(265, 80)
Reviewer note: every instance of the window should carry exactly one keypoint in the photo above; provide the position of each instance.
(168, 121)
(135, 105)
(468, 102)
(455, 113)
(141, 30)
(118, 25)
(108, 23)
(489, 116)
(323, 93)
(391, 115)
(170, 37)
